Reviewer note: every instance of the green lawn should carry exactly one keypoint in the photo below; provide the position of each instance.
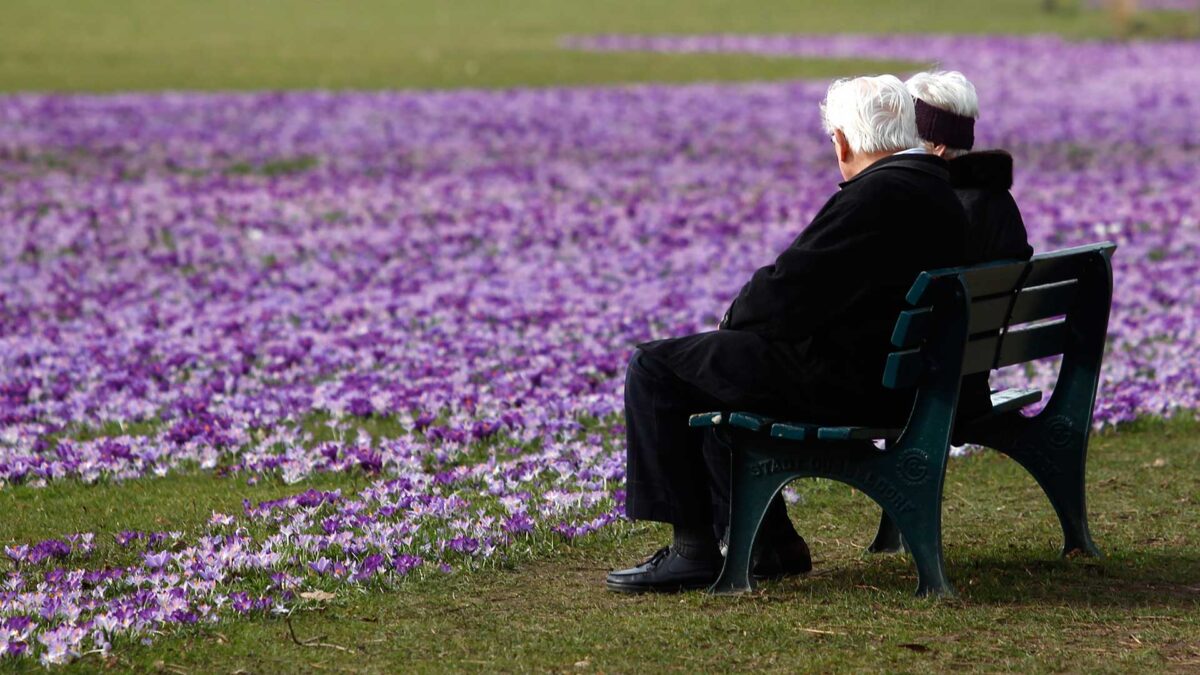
(1020, 606)
(110, 45)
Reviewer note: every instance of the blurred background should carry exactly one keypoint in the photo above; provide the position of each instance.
(122, 45)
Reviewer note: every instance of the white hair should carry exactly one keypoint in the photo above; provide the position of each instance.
(875, 113)
(948, 90)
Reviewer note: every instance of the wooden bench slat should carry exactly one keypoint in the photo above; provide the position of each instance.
(749, 421)
(903, 369)
(1002, 277)
(1017, 346)
(912, 326)
(792, 431)
(1004, 401)
(742, 420)
(708, 419)
(857, 434)
(1014, 399)
(1032, 304)
(985, 282)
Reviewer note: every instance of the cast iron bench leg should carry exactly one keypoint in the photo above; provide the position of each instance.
(887, 538)
(1059, 465)
(922, 534)
(750, 495)
(1053, 449)
(917, 513)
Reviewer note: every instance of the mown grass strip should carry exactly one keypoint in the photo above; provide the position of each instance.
(83, 45)
(1021, 607)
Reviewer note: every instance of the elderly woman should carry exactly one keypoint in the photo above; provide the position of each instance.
(946, 109)
(806, 337)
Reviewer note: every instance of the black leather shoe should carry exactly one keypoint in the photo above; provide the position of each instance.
(665, 572)
(775, 561)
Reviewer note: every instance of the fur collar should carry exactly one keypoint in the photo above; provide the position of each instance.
(991, 169)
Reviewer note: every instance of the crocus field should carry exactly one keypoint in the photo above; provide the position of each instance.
(441, 291)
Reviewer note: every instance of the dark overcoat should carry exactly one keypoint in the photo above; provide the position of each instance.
(808, 336)
(995, 231)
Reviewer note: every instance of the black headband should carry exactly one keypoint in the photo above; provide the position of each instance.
(943, 127)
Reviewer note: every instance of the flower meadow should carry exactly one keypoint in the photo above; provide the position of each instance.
(440, 291)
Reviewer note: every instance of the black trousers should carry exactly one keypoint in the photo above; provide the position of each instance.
(675, 474)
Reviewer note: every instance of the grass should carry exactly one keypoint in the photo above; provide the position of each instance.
(182, 501)
(1020, 606)
(117, 45)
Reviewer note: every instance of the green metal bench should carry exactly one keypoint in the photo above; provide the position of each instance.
(962, 321)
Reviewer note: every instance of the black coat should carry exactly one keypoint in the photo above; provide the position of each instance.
(808, 336)
(995, 232)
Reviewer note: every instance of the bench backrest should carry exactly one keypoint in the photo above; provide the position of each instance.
(973, 319)
(1055, 303)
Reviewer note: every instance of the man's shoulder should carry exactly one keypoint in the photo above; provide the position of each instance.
(902, 170)
(901, 179)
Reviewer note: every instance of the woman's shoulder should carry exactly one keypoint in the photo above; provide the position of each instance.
(988, 170)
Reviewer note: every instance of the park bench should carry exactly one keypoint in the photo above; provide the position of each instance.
(961, 321)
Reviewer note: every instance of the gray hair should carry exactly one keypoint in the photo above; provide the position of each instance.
(875, 113)
(948, 90)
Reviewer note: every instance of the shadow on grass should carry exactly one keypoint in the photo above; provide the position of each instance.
(1159, 579)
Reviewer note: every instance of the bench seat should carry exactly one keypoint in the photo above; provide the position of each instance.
(1004, 401)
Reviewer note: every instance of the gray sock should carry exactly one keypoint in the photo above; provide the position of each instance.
(695, 542)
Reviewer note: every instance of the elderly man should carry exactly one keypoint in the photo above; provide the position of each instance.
(806, 338)
(947, 106)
